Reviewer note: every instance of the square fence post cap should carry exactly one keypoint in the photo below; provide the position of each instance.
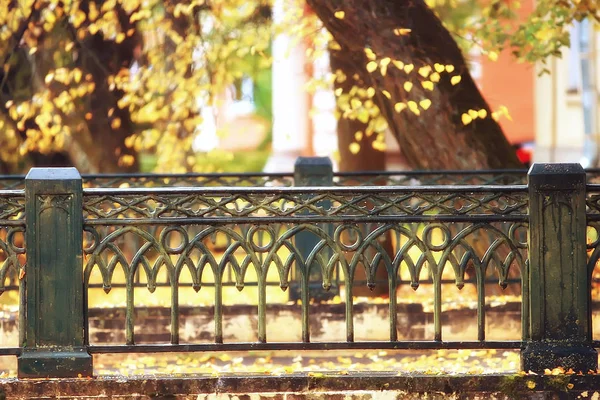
(556, 176)
(53, 174)
(313, 162)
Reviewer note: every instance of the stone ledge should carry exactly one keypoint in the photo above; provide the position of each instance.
(309, 386)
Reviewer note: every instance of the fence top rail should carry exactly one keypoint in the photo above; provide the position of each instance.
(224, 190)
(592, 171)
(12, 192)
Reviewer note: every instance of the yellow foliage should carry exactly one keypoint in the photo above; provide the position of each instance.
(399, 107)
(425, 104)
(371, 66)
(354, 148)
(181, 68)
(427, 85)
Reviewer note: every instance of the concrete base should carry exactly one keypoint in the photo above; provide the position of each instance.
(538, 357)
(43, 363)
(309, 386)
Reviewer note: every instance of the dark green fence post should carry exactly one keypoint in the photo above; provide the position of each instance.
(313, 171)
(54, 345)
(559, 318)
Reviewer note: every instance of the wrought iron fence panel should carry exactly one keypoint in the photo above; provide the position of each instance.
(229, 231)
(12, 252)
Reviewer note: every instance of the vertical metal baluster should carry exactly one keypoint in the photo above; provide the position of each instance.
(525, 334)
(437, 307)
(86, 327)
(262, 304)
(349, 310)
(22, 310)
(218, 308)
(174, 308)
(304, 298)
(393, 309)
(129, 310)
(481, 305)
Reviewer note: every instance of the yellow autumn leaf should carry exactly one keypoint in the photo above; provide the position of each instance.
(425, 104)
(77, 18)
(77, 74)
(473, 114)
(115, 123)
(358, 135)
(399, 106)
(402, 31)
(427, 85)
(48, 78)
(333, 45)
(435, 77)
(379, 146)
(425, 71)
(449, 68)
(369, 53)
(370, 92)
(455, 80)
(354, 148)
(412, 106)
(126, 160)
(398, 64)
(340, 14)
(408, 86)
(466, 119)
(439, 68)
(531, 385)
(482, 113)
(371, 66)
(493, 56)
(386, 94)
(408, 68)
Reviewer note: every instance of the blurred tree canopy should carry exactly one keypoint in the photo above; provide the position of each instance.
(94, 83)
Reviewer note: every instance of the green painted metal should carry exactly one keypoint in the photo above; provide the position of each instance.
(559, 330)
(53, 342)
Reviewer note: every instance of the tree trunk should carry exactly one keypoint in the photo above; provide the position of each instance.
(367, 159)
(437, 138)
(103, 142)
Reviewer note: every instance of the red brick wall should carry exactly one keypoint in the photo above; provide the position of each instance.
(505, 82)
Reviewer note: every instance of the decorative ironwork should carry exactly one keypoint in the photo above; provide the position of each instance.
(429, 203)
(12, 207)
(12, 246)
(229, 231)
(12, 256)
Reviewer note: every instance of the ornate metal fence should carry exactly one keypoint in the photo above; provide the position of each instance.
(262, 235)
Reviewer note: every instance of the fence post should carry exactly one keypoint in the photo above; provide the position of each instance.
(54, 345)
(313, 171)
(559, 324)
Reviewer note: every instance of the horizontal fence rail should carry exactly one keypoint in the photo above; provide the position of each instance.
(371, 178)
(309, 238)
